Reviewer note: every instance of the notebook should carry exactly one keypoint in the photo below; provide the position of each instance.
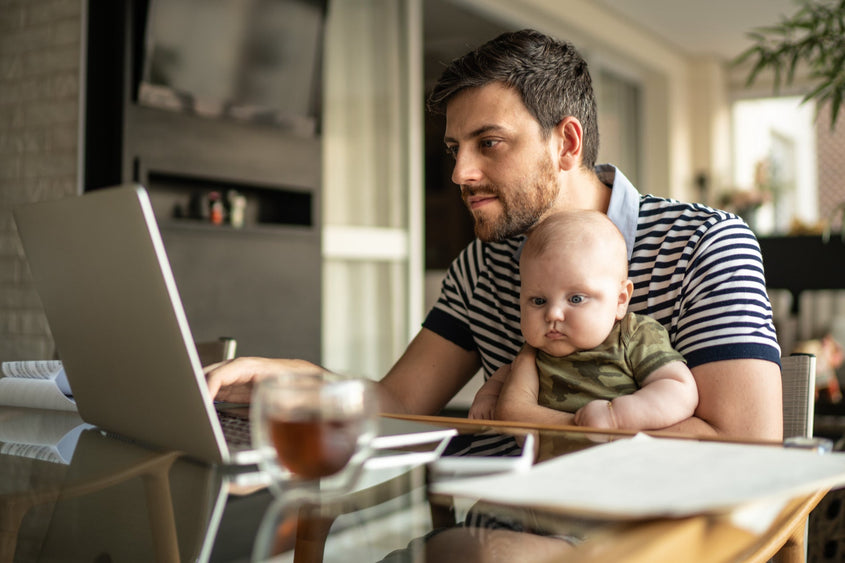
(100, 267)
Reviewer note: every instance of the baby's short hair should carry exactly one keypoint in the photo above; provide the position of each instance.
(579, 229)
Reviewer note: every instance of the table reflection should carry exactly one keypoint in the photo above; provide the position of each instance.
(383, 510)
(391, 516)
(114, 500)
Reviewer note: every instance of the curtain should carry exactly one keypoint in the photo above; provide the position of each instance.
(371, 184)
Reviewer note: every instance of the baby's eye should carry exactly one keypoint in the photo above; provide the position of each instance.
(575, 299)
(538, 301)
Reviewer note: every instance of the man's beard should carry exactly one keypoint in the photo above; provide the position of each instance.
(521, 205)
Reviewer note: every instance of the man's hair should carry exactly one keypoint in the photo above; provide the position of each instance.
(550, 76)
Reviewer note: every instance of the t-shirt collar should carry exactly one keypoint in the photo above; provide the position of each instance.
(624, 207)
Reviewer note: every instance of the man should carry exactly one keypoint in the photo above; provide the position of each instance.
(521, 125)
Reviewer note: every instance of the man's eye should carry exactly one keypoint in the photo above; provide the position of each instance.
(452, 151)
(489, 143)
(575, 299)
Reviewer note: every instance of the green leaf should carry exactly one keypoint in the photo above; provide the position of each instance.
(813, 35)
(836, 105)
(745, 55)
(817, 92)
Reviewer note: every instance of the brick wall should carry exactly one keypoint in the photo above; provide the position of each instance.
(830, 147)
(40, 46)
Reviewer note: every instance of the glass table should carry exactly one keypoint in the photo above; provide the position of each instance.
(114, 500)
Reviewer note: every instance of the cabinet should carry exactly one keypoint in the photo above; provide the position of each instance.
(260, 282)
(803, 263)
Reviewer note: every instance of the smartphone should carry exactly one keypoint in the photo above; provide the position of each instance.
(484, 452)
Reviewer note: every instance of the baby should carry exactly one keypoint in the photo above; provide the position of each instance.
(611, 368)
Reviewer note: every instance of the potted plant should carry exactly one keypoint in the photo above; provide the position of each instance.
(812, 38)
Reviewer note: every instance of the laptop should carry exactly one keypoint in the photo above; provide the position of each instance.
(99, 265)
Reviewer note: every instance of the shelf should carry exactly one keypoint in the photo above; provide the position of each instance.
(204, 227)
(180, 198)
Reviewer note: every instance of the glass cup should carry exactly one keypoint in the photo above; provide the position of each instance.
(313, 425)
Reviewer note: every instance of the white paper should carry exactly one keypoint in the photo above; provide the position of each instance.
(35, 369)
(36, 384)
(34, 393)
(656, 477)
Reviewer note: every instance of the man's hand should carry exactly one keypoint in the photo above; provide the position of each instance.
(233, 380)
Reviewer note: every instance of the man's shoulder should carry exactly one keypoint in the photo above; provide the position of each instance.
(653, 206)
(685, 218)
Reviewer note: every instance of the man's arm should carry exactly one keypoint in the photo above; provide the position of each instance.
(737, 399)
(430, 372)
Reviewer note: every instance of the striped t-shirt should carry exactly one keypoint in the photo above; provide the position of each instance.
(697, 270)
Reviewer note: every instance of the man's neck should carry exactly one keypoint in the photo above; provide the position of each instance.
(582, 189)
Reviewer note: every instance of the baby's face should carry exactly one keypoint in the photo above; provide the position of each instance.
(568, 303)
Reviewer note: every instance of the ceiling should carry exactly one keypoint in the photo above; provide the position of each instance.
(702, 28)
(695, 27)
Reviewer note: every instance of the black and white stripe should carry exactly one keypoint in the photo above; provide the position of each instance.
(697, 270)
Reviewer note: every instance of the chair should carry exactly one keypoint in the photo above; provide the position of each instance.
(798, 379)
(213, 351)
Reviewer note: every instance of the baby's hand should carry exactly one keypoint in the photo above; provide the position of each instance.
(596, 414)
(483, 406)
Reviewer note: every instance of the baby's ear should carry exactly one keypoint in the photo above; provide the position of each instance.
(626, 290)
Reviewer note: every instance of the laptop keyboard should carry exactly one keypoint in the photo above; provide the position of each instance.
(235, 428)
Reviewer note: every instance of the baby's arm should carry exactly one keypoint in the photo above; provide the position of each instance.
(518, 400)
(668, 396)
(484, 404)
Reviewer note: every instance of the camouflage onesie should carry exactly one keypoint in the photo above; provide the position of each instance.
(637, 345)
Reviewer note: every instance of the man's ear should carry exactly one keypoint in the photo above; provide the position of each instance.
(625, 293)
(570, 136)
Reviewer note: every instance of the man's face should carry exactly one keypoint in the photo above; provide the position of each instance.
(503, 165)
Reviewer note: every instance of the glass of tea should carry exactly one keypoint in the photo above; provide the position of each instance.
(313, 425)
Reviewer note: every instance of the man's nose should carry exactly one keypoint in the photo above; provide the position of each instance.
(466, 169)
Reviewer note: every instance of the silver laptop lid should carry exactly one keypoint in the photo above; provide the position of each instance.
(99, 265)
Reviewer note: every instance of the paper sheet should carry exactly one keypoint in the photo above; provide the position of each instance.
(34, 393)
(650, 477)
(37, 384)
